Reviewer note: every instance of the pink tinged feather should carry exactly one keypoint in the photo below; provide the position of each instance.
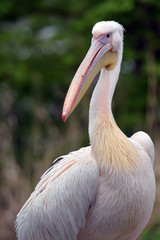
(58, 207)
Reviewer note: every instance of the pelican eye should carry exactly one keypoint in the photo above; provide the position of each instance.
(108, 35)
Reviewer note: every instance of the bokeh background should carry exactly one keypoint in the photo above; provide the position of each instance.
(42, 42)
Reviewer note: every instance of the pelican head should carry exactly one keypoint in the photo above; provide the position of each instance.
(105, 52)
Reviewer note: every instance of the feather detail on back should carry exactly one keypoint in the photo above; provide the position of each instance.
(57, 209)
(145, 141)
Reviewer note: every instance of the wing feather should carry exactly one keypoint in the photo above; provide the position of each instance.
(57, 209)
(145, 141)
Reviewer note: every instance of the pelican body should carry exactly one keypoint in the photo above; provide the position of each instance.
(105, 191)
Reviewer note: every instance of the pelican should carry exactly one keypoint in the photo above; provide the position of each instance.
(104, 191)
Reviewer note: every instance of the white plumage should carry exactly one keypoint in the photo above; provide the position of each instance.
(105, 191)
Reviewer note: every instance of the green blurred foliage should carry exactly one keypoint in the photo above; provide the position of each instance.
(152, 234)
